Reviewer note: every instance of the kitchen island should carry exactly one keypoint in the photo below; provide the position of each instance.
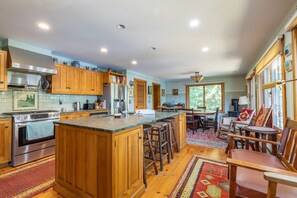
(103, 156)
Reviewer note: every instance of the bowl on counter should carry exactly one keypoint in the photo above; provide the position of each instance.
(117, 115)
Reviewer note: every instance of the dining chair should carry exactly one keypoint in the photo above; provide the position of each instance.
(212, 121)
(191, 120)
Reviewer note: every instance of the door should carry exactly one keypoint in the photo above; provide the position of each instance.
(88, 83)
(128, 162)
(3, 76)
(156, 95)
(99, 83)
(59, 80)
(5, 141)
(139, 94)
(74, 80)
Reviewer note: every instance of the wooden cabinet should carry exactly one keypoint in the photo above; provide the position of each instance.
(98, 164)
(74, 115)
(112, 77)
(128, 163)
(5, 141)
(180, 128)
(3, 74)
(71, 80)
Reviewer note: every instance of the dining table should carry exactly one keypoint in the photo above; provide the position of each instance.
(202, 113)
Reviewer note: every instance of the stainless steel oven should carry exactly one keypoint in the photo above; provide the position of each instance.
(33, 135)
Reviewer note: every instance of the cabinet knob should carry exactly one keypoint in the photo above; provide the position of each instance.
(140, 137)
(1, 82)
(6, 127)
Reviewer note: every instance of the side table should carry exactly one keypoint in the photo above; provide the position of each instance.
(263, 132)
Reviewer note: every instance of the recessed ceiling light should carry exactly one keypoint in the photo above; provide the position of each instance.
(194, 23)
(204, 49)
(134, 62)
(121, 26)
(104, 50)
(43, 26)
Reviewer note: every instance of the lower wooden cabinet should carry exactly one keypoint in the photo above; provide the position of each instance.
(5, 141)
(74, 115)
(180, 128)
(92, 163)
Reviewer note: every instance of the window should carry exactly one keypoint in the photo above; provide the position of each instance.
(210, 96)
(274, 96)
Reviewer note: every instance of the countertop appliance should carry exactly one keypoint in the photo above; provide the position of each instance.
(33, 135)
(76, 106)
(116, 96)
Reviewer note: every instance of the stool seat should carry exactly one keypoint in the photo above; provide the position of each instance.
(158, 124)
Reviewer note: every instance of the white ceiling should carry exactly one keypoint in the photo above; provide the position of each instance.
(235, 31)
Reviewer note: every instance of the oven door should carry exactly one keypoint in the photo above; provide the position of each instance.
(23, 142)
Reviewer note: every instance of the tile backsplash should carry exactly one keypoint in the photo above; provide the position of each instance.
(45, 101)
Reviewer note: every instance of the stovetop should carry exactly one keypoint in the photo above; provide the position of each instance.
(32, 116)
(29, 112)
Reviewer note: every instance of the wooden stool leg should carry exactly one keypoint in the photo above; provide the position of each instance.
(160, 150)
(153, 156)
(167, 146)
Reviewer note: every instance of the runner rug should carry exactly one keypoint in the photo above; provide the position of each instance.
(28, 181)
(203, 178)
(207, 138)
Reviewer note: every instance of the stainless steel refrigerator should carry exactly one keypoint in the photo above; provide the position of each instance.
(116, 97)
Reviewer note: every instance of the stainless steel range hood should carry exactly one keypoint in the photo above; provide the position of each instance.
(20, 60)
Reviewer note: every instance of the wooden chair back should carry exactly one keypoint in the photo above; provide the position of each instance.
(201, 107)
(263, 116)
(189, 112)
(287, 151)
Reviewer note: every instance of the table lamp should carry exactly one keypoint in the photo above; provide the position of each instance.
(243, 100)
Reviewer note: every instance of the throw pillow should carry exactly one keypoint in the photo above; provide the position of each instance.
(244, 114)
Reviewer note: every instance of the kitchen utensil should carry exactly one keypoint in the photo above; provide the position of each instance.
(76, 106)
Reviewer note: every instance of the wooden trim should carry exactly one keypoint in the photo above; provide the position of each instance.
(206, 84)
(153, 102)
(273, 52)
(251, 74)
(292, 25)
(135, 92)
(294, 69)
(284, 91)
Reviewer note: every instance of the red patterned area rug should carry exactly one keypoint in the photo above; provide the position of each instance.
(207, 138)
(28, 181)
(203, 178)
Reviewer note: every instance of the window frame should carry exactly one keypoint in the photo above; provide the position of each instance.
(203, 85)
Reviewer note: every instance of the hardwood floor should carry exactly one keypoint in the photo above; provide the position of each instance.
(162, 184)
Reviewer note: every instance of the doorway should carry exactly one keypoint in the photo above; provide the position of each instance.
(156, 95)
(139, 94)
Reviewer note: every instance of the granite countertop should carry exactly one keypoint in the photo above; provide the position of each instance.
(84, 111)
(2, 116)
(111, 124)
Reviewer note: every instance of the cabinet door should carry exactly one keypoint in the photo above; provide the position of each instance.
(99, 83)
(59, 81)
(128, 159)
(87, 82)
(182, 130)
(3, 75)
(68, 116)
(5, 141)
(74, 80)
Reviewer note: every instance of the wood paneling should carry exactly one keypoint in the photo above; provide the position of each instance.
(5, 141)
(3, 74)
(98, 164)
(139, 94)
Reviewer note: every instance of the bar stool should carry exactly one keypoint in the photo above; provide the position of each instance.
(171, 136)
(148, 153)
(159, 139)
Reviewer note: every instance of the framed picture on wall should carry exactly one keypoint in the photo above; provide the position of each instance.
(175, 92)
(163, 92)
(150, 90)
(25, 100)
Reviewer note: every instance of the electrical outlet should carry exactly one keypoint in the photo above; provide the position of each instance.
(60, 102)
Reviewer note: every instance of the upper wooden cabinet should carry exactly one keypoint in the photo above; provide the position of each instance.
(71, 80)
(5, 141)
(3, 74)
